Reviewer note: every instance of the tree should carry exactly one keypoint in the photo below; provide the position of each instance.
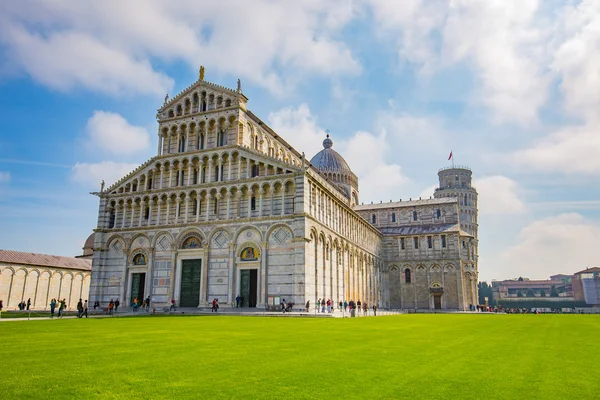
(543, 293)
(530, 293)
(519, 294)
(485, 290)
(553, 291)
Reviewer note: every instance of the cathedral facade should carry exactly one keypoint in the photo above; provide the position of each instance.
(227, 207)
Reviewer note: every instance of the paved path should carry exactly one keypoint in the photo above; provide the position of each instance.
(248, 312)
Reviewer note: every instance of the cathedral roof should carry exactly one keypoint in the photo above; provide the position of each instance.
(410, 203)
(423, 229)
(330, 160)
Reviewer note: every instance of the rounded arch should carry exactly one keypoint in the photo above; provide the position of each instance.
(249, 228)
(272, 229)
(111, 243)
(137, 236)
(189, 233)
(135, 259)
(162, 240)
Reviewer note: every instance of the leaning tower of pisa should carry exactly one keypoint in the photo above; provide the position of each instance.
(455, 181)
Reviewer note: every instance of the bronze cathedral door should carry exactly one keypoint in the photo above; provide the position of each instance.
(190, 283)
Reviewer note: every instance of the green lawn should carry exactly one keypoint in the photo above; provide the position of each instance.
(402, 356)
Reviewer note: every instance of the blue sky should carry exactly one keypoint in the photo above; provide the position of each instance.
(511, 87)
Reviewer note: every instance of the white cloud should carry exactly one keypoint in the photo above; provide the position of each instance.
(568, 150)
(67, 60)
(499, 195)
(298, 127)
(4, 177)
(91, 174)
(377, 178)
(502, 41)
(366, 155)
(565, 243)
(108, 46)
(577, 59)
(112, 132)
(424, 133)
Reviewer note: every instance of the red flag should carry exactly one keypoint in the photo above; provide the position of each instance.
(450, 156)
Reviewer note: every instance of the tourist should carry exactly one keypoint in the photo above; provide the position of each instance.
(358, 304)
(28, 303)
(117, 303)
(135, 304)
(374, 310)
(96, 304)
(345, 305)
(1, 306)
(79, 309)
(215, 305)
(307, 305)
(172, 305)
(237, 301)
(61, 308)
(318, 304)
(111, 305)
(283, 305)
(365, 308)
(52, 307)
(148, 303)
(323, 306)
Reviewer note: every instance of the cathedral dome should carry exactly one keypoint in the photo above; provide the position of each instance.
(329, 160)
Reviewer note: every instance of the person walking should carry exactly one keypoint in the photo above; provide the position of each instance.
(52, 307)
(117, 303)
(172, 305)
(61, 308)
(307, 305)
(358, 304)
(319, 305)
(111, 305)
(215, 305)
(237, 301)
(79, 309)
(148, 303)
(85, 309)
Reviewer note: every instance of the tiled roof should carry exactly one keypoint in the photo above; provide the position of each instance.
(410, 203)
(587, 270)
(44, 260)
(421, 229)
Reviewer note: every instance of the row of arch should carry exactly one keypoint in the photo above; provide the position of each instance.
(207, 168)
(335, 215)
(261, 199)
(200, 101)
(41, 285)
(343, 271)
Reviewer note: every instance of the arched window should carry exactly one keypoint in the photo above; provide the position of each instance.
(253, 203)
(407, 275)
(182, 144)
(221, 138)
(201, 142)
(139, 259)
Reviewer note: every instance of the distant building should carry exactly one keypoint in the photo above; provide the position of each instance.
(581, 289)
(586, 286)
(42, 277)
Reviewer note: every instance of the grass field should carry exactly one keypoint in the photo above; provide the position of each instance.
(402, 356)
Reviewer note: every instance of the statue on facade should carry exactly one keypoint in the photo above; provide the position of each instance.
(202, 72)
(239, 88)
(102, 186)
(166, 98)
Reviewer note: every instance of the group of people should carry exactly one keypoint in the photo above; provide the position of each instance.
(25, 306)
(82, 309)
(62, 306)
(145, 304)
(329, 305)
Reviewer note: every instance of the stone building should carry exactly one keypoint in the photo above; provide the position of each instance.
(42, 277)
(227, 207)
